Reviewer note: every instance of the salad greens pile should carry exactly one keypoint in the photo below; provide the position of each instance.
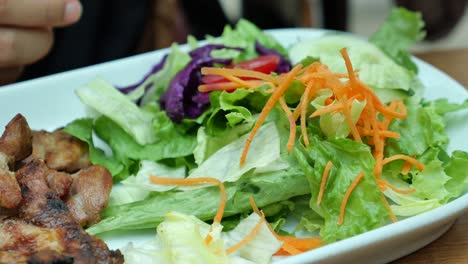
(164, 126)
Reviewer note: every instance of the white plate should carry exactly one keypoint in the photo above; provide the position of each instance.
(50, 102)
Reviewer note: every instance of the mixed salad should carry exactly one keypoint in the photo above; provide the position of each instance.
(220, 145)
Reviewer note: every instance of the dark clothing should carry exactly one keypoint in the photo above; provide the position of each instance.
(107, 30)
(112, 29)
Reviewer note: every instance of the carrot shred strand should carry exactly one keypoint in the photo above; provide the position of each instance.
(279, 91)
(387, 184)
(389, 209)
(292, 124)
(372, 126)
(248, 238)
(323, 182)
(409, 159)
(350, 189)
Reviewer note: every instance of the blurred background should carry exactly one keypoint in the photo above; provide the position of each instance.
(447, 20)
(112, 29)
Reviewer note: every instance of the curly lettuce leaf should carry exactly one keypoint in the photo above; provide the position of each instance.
(365, 209)
(401, 29)
(245, 34)
(422, 123)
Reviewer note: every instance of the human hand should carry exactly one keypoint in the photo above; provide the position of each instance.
(26, 31)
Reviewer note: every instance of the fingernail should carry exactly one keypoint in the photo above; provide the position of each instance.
(72, 11)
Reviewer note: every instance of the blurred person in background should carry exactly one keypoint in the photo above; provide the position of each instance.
(38, 38)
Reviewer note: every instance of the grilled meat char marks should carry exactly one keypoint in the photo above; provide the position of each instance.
(10, 193)
(89, 194)
(60, 151)
(16, 140)
(15, 145)
(42, 210)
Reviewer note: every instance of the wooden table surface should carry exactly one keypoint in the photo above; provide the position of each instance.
(452, 247)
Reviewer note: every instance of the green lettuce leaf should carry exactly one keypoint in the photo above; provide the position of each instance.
(209, 144)
(456, 169)
(229, 109)
(264, 154)
(244, 35)
(442, 106)
(365, 209)
(266, 188)
(180, 239)
(430, 183)
(83, 130)
(401, 29)
(170, 143)
(137, 187)
(108, 101)
(421, 123)
(175, 62)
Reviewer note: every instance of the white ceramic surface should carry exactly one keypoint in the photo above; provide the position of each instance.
(50, 102)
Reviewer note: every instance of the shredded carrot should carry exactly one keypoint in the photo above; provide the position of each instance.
(327, 109)
(347, 113)
(372, 125)
(402, 107)
(406, 168)
(381, 185)
(387, 184)
(248, 238)
(291, 245)
(347, 195)
(254, 205)
(287, 250)
(323, 182)
(303, 108)
(267, 108)
(386, 111)
(227, 72)
(409, 159)
(389, 209)
(349, 65)
(382, 133)
(229, 86)
(292, 124)
(300, 243)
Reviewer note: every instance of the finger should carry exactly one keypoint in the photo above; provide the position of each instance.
(39, 13)
(9, 75)
(22, 46)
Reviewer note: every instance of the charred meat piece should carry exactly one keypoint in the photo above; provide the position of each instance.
(10, 192)
(45, 230)
(60, 151)
(17, 138)
(60, 182)
(89, 194)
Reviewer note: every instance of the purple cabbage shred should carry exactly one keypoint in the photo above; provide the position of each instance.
(182, 98)
(157, 67)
